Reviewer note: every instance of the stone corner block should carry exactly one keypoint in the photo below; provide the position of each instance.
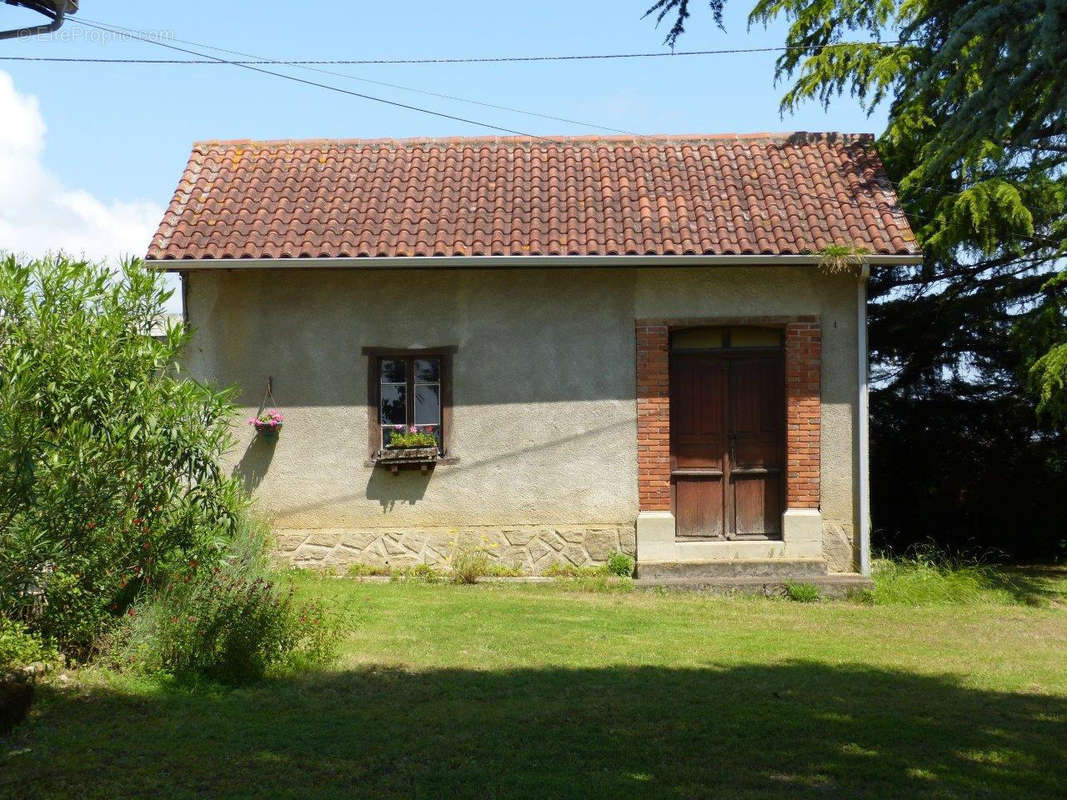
(802, 526)
(655, 536)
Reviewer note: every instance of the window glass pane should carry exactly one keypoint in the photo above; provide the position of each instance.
(427, 404)
(755, 337)
(697, 339)
(428, 370)
(393, 370)
(394, 406)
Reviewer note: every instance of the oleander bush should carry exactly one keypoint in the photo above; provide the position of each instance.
(109, 457)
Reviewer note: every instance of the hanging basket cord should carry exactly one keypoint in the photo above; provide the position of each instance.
(267, 395)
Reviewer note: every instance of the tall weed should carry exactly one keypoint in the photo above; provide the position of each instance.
(232, 622)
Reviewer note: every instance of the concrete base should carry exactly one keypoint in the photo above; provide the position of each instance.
(794, 569)
(801, 541)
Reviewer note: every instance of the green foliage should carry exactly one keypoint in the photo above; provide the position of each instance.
(419, 572)
(468, 562)
(841, 259)
(663, 8)
(620, 564)
(412, 438)
(20, 647)
(919, 582)
(563, 570)
(109, 473)
(231, 622)
(802, 592)
(367, 571)
(498, 570)
(1048, 373)
(927, 574)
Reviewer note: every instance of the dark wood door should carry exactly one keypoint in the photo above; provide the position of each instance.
(727, 425)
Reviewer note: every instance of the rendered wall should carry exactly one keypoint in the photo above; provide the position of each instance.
(544, 421)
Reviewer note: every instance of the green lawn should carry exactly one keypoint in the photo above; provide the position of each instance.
(539, 691)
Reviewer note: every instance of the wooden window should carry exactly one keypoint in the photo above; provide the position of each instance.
(409, 389)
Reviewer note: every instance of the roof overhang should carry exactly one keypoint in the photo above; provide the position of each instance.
(518, 262)
(55, 10)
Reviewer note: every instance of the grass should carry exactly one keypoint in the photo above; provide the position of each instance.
(542, 690)
(932, 582)
(802, 592)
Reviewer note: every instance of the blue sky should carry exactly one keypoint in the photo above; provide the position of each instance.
(120, 134)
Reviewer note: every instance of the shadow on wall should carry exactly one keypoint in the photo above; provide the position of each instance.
(796, 729)
(254, 463)
(407, 487)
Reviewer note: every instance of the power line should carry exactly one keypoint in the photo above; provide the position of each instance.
(306, 82)
(302, 62)
(141, 36)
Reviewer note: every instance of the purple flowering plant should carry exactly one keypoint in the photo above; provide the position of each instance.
(268, 421)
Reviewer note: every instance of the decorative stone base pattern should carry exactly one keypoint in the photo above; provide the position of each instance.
(530, 548)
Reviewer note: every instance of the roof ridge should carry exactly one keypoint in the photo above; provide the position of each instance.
(770, 136)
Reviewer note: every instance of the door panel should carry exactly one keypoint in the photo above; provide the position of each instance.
(727, 435)
(698, 444)
(755, 426)
(698, 500)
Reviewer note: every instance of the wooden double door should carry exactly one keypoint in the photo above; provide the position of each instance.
(728, 444)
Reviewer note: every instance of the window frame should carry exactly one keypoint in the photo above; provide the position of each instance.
(374, 356)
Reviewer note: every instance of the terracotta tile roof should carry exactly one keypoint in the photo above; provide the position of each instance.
(656, 195)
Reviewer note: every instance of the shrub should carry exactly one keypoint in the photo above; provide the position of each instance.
(802, 592)
(620, 564)
(109, 476)
(19, 647)
(232, 622)
(469, 562)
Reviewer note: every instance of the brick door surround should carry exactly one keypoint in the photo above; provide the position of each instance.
(802, 522)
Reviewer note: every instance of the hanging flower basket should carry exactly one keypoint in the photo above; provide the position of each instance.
(268, 424)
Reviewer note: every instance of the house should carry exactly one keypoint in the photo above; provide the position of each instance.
(621, 343)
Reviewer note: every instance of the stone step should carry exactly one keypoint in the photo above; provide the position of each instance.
(778, 568)
(828, 585)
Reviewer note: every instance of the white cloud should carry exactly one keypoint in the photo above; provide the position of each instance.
(39, 214)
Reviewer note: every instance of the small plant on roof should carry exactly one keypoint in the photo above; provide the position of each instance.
(268, 422)
(413, 437)
(842, 259)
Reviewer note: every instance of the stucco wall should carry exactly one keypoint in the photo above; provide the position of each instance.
(544, 422)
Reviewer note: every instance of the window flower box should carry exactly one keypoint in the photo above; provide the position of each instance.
(394, 458)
